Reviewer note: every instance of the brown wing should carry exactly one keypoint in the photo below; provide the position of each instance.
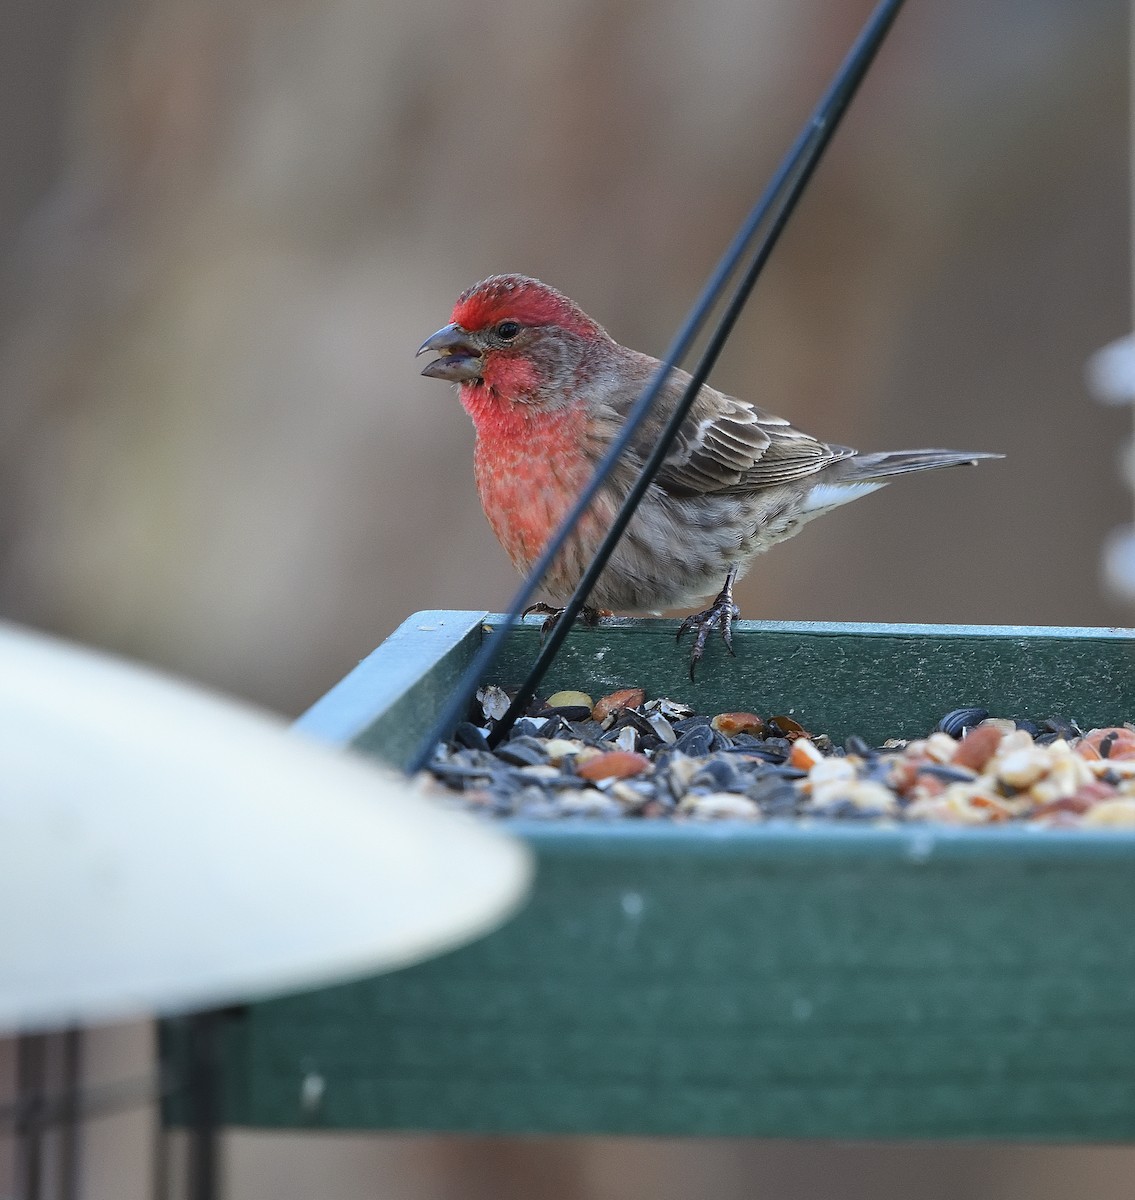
(728, 445)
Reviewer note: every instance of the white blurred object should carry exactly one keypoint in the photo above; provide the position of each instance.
(1111, 377)
(1119, 561)
(1111, 372)
(163, 849)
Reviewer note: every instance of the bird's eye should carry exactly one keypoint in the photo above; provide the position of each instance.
(507, 330)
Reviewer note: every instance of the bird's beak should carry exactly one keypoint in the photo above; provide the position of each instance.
(460, 359)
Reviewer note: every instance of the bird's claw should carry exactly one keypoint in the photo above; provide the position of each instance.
(720, 616)
(590, 616)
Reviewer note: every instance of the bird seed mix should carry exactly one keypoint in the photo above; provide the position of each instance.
(624, 756)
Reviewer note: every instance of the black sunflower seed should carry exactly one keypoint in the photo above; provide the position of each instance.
(468, 735)
(569, 712)
(960, 719)
(696, 741)
(522, 752)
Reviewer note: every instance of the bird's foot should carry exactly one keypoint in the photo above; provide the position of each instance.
(589, 616)
(720, 616)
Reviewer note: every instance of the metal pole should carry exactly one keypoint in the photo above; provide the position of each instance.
(31, 1063)
(203, 1087)
(70, 1115)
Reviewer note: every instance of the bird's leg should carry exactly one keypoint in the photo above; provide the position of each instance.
(589, 615)
(720, 615)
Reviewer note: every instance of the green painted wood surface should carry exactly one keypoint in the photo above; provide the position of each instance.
(382, 706)
(877, 680)
(724, 979)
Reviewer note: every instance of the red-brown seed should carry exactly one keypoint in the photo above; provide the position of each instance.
(1113, 742)
(977, 747)
(903, 773)
(732, 723)
(786, 727)
(616, 702)
(614, 764)
(1066, 804)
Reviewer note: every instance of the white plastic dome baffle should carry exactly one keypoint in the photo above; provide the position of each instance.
(164, 850)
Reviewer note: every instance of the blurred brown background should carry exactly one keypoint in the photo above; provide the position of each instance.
(226, 226)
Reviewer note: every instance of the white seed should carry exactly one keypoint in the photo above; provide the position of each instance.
(669, 708)
(931, 808)
(683, 768)
(1123, 767)
(1119, 812)
(721, 804)
(663, 728)
(959, 805)
(560, 748)
(494, 702)
(940, 747)
(828, 780)
(1076, 770)
(827, 770)
(1018, 739)
(626, 738)
(539, 771)
(867, 794)
(586, 802)
(626, 793)
(1022, 768)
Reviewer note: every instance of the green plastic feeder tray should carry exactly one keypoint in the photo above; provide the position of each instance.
(736, 979)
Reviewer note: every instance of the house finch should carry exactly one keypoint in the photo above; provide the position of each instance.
(548, 389)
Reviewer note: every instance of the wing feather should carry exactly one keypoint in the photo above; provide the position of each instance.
(727, 445)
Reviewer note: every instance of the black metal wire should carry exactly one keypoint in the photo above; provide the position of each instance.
(159, 1160)
(203, 1094)
(772, 210)
(490, 649)
(72, 1051)
(160, 1156)
(783, 194)
(31, 1089)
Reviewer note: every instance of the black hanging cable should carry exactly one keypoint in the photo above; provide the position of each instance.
(786, 189)
(773, 210)
(203, 1088)
(67, 1185)
(31, 1090)
(458, 701)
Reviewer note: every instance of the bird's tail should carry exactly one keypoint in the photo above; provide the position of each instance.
(865, 468)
